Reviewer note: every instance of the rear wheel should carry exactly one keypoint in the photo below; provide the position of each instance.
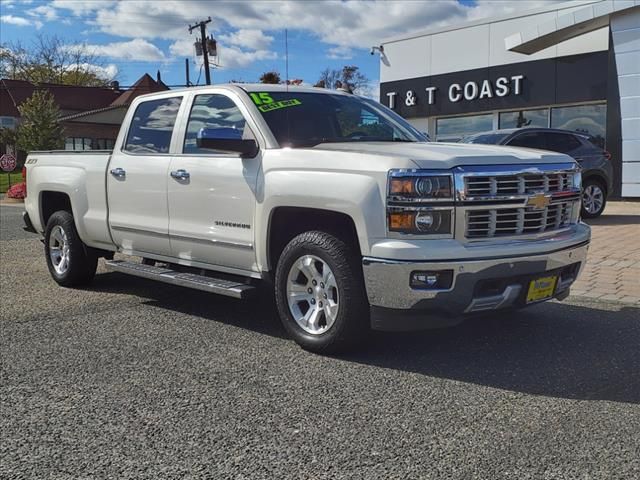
(70, 262)
(320, 293)
(594, 198)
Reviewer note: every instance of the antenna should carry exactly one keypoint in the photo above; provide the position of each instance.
(286, 58)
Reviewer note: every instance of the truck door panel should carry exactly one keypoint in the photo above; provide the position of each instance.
(137, 178)
(211, 194)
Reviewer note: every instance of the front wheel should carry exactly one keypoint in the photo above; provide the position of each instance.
(320, 293)
(71, 263)
(594, 198)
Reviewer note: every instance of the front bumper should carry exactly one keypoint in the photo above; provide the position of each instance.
(478, 285)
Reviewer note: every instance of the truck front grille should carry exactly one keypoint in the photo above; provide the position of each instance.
(516, 200)
(521, 184)
(497, 222)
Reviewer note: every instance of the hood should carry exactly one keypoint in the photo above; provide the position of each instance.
(448, 155)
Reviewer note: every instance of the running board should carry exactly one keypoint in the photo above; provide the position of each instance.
(219, 286)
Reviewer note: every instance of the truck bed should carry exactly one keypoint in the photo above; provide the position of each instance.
(81, 176)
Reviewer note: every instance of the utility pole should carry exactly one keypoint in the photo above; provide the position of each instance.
(186, 71)
(203, 42)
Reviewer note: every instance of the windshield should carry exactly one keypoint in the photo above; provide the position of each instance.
(488, 138)
(307, 119)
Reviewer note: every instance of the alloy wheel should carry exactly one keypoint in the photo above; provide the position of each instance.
(312, 294)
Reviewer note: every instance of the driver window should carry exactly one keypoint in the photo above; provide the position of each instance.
(219, 116)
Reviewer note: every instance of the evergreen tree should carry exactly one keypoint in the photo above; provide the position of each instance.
(39, 128)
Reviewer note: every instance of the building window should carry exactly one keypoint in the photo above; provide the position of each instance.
(8, 122)
(77, 143)
(454, 128)
(524, 118)
(103, 144)
(589, 119)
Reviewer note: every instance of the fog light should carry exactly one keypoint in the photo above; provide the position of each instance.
(431, 280)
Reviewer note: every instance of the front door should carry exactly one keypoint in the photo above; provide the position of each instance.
(212, 194)
(137, 179)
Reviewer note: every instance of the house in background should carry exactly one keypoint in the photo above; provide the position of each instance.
(91, 116)
(97, 129)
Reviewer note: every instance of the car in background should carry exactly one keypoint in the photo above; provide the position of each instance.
(597, 171)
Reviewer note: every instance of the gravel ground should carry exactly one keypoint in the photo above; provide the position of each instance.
(133, 379)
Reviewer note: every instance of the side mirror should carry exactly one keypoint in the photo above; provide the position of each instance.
(226, 140)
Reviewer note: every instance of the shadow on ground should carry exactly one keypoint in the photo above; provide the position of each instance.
(552, 349)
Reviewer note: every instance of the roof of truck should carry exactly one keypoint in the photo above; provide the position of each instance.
(255, 87)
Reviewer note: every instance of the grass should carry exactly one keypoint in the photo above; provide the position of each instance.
(4, 180)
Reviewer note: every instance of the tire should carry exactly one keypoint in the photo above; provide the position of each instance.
(71, 263)
(341, 316)
(594, 198)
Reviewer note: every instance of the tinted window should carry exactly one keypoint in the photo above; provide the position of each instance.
(528, 140)
(152, 126)
(214, 112)
(561, 142)
(302, 119)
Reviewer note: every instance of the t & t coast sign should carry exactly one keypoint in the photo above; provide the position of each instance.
(457, 92)
(549, 81)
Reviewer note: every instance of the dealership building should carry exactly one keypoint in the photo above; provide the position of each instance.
(573, 65)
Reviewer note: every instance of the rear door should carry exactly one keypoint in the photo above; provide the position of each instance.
(137, 179)
(212, 194)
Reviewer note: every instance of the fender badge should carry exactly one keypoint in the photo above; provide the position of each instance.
(538, 201)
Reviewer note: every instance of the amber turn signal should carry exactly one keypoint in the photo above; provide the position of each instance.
(401, 185)
(400, 222)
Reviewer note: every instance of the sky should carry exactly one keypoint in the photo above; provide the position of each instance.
(135, 36)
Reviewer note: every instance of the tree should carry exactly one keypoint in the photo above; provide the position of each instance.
(49, 59)
(328, 78)
(39, 128)
(270, 77)
(353, 79)
(349, 78)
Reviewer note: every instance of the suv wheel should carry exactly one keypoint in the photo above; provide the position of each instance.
(71, 263)
(594, 198)
(320, 293)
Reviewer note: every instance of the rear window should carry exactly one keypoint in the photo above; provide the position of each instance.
(152, 126)
(561, 142)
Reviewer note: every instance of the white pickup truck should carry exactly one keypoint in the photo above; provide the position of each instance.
(335, 203)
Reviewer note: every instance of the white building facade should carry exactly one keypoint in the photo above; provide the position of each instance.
(552, 67)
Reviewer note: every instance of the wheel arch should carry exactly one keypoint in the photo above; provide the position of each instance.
(600, 178)
(51, 201)
(286, 222)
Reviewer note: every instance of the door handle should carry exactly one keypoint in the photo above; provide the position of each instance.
(118, 172)
(180, 174)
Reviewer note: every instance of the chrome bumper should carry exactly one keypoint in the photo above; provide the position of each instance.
(478, 285)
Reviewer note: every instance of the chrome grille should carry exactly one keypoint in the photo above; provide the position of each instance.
(521, 184)
(498, 222)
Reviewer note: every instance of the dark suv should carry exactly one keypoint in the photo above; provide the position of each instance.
(597, 171)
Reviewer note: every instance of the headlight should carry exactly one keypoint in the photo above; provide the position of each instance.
(427, 187)
(420, 202)
(420, 222)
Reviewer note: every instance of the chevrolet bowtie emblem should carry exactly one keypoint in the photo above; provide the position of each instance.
(539, 201)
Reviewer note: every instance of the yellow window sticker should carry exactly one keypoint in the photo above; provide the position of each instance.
(265, 102)
(282, 104)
